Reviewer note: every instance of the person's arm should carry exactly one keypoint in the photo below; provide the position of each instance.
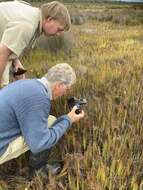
(15, 39)
(36, 132)
(4, 55)
(32, 114)
(17, 64)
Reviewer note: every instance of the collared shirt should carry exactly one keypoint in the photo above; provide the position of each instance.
(46, 83)
(20, 26)
(24, 108)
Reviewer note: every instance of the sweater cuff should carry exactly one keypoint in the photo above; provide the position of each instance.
(68, 119)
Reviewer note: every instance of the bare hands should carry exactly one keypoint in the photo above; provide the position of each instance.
(75, 117)
(17, 64)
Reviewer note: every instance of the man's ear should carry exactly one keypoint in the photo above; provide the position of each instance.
(49, 18)
(57, 85)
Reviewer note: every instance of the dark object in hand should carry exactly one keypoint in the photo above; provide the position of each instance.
(19, 71)
(73, 101)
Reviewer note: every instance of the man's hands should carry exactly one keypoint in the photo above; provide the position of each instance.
(75, 117)
(4, 56)
(17, 64)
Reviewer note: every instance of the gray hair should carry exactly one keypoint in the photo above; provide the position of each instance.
(61, 72)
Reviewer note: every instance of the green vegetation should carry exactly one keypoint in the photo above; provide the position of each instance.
(105, 150)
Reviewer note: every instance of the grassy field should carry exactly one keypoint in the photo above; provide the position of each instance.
(105, 150)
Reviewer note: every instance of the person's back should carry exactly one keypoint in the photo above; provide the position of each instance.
(14, 101)
(6, 116)
(14, 11)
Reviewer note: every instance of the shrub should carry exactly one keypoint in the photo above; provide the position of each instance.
(53, 44)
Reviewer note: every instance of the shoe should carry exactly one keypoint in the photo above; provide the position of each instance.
(54, 169)
(37, 161)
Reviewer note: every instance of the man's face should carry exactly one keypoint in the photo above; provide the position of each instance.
(60, 89)
(52, 27)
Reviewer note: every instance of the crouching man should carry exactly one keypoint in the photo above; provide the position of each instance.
(24, 109)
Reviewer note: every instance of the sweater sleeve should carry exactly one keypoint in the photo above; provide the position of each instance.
(32, 118)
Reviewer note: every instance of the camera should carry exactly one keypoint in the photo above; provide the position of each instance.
(73, 101)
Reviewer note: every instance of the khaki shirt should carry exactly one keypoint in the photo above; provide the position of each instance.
(20, 25)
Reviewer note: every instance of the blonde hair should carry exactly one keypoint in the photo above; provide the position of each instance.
(61, 72)
(57, 11)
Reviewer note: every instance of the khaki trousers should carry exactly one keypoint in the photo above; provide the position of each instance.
(5, 76)
(19, 146)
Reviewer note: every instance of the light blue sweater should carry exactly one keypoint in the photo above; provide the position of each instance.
(24, 109)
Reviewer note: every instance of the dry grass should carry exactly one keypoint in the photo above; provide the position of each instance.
(105, 150)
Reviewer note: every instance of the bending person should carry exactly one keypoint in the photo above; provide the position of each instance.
(24, 109)
(20, 26)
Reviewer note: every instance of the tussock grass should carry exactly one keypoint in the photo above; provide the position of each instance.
(105, 150)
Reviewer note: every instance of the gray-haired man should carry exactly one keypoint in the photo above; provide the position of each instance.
(24, 109)
(20, 26)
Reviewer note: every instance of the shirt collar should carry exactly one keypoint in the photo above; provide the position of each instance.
(47, 85)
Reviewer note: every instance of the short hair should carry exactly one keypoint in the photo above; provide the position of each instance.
(61, 72)
(57, 11)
